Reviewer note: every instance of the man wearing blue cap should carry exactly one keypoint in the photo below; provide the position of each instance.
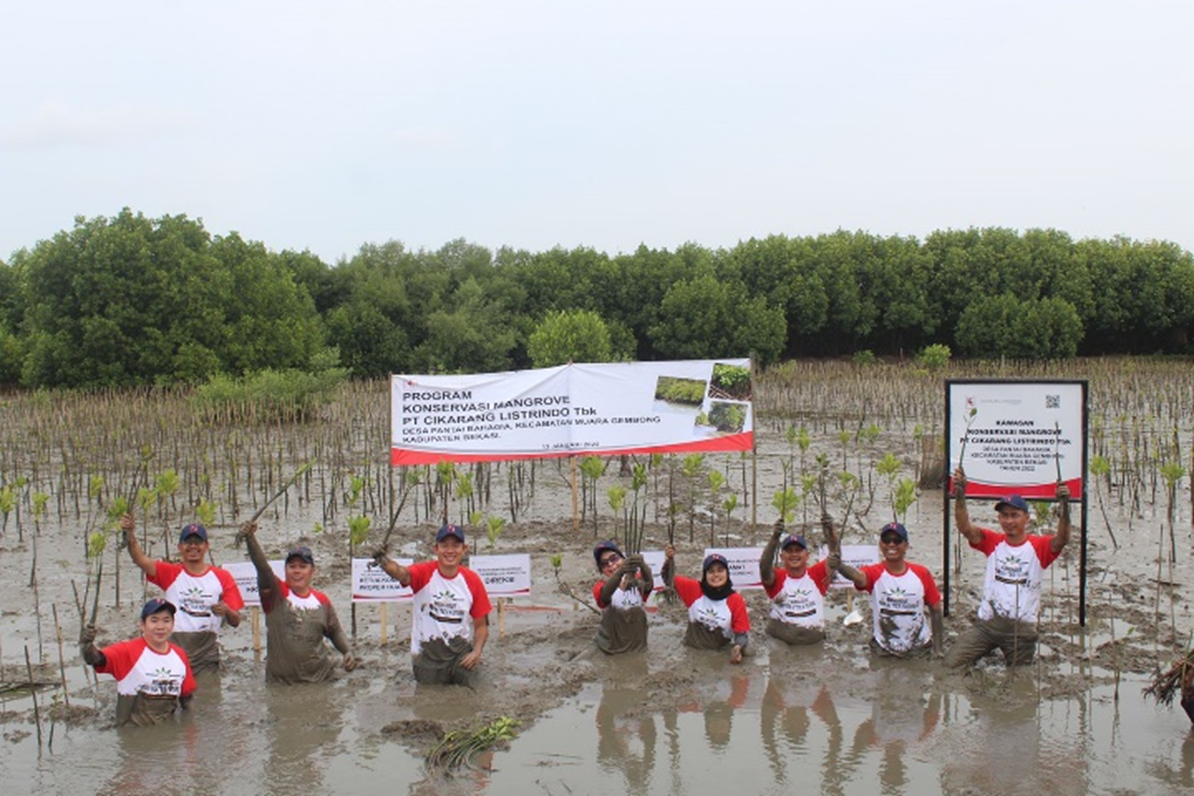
(1016, 563)
(797, 591)
(206, 596)
(451, 613)
(153, 675)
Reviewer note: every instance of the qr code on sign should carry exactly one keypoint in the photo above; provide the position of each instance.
(1052, 401)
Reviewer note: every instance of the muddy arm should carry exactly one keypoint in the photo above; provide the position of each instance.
(856, 576)
(1062, 537)
(937, 625)
(970, 531)
(767, 559)
(391, 567)
(146, 564)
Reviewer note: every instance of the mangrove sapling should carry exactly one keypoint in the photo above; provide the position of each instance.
(716, 482)
(728, 505)
(637, 519)
(458, 748)
(493, 530)
(617, 503)
(1100, 469)
(556, 561)
(591, 468)
(691, 469)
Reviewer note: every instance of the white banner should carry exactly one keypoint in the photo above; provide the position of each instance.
(1016, 436)
(504, 575)
(371, 584)
(245, 575)
(604, 409)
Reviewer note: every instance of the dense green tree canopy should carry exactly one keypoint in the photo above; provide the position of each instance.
(131, 300)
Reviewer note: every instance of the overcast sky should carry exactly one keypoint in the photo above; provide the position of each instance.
(324, 126)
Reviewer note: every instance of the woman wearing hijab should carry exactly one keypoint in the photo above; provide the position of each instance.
(717, 615)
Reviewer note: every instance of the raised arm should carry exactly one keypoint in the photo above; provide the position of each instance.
(856, 576)
(669, 567)
(767, 559)
(267, 581)
(391, 567)
(92, 655)
(1062, 537)
(646, 579)
(969, 530)
(144, 562)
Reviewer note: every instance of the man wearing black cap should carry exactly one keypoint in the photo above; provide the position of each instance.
(206, 596)
(153, 676)
(297, 618)
(451, 612)
(1016, 563)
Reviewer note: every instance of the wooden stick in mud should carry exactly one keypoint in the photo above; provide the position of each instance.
(385, 543)
(385, 628)
(33, 696)
(61, 657)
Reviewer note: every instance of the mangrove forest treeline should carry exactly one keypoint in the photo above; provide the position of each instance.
(131, 300)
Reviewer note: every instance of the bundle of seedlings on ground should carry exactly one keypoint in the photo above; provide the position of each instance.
(459, 747)
(1165, 684)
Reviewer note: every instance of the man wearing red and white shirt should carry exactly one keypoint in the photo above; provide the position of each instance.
(900, 592)
(1016, 563)
(205, 596)
(451, 612)
(153, 676)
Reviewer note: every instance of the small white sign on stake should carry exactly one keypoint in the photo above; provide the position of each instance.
(245, 575)
(504, 575)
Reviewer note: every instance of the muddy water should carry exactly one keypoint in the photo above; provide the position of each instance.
(828, 719)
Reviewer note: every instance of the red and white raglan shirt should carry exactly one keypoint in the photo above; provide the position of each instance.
(149, 684)
(195, 626)
(898, 606)
(800, 601)
(622, 599)
(295, 629)
(445, 607)
(1012, 583)
(726, 617)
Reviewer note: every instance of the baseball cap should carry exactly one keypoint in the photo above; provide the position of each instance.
(714, 558)
(896, 528)
(194, 529)
(794, 539)
(1013, 502)
(155, 605)
(303, 552)
(450, 530)
(602, 547)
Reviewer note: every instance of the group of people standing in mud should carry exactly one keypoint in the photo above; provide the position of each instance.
(155, 673)
(901, 591)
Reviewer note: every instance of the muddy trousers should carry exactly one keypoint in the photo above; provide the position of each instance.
(1016, 639)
